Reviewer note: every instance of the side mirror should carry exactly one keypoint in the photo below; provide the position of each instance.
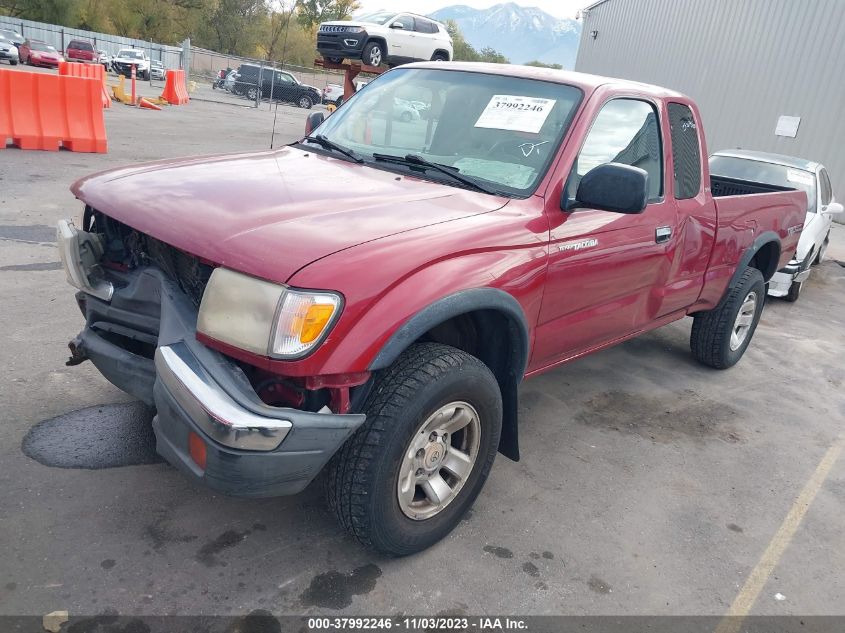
(613, 187)
(834, 208)
(397, 25)
(313, 122)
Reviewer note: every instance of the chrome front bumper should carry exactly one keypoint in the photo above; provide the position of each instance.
(782, 280)
(210, 407)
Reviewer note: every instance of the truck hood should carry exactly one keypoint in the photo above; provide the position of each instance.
(270, 213)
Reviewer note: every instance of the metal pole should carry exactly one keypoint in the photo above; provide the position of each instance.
(272, 85)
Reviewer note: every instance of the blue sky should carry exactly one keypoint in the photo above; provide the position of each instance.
(558, 8)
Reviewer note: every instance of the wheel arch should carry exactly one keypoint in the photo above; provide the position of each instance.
(763, 254)
(379, 39)
(466, 320)
(444, 52)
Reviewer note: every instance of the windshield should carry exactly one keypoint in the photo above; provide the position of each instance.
(499, 131)
(375, 18)
(768, 173)
(132, 54)
(39, 46)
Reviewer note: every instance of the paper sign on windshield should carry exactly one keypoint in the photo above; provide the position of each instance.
(512, 112)
(800, 177)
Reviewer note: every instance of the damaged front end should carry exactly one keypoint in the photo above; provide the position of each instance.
(221, 421)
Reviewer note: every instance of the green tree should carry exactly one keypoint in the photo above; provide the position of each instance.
(540, 64)
(311, 12)
(463, 51)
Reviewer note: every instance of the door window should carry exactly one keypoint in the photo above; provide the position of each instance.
(625, 131)
(406, 21)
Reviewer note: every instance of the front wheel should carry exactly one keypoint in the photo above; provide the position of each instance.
(822, 250)
(406, 477)
(373, 54)
(794, 291)
(720, 336)
(305, 102)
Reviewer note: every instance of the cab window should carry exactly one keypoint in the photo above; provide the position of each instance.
(625, 131)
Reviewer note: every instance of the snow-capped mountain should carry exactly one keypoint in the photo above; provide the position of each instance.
(522, 34)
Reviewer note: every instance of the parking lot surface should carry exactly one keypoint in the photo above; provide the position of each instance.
(648, 484)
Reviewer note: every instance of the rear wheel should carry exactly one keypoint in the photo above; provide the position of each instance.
(405, 478)
(440, 57)
(334, 60)
(252, 94)
(373, 54)
(305, 102)
(720, 336)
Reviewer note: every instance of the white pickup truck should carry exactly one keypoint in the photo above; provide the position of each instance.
(127, 58)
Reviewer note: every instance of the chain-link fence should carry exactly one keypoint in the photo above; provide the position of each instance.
(252, 82)
(106, 44)
(244, 81)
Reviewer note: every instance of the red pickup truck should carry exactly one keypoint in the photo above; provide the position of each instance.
(367, 300)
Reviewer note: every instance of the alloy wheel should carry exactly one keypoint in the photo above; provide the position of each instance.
(438, 460)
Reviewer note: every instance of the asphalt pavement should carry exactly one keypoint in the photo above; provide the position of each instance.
(649, 484)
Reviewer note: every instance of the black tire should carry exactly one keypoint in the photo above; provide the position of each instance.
(369, 56)
(334, 60)
(820, 255)
(794, 292)
(710, 339)
(440, 57)
(363, 476)
(252, 94)
(406, 116)
(305, 102)
(13, 62)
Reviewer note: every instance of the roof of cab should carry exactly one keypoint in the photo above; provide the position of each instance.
(588, 83)
(768, 157)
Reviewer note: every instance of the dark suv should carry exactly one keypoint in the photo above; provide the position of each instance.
(284, 87)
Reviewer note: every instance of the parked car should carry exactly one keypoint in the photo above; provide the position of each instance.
(405, 110)
(38, 53)
(82, 51)
(254, 82)
(229, 82)
(13, 36)
(333, 93)
(368, 299)
(103, 59)
(157, 70)
(8, 51)
(384, 37)
(789, 173)
(127, 58)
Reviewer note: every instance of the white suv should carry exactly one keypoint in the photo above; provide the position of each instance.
(385, 38)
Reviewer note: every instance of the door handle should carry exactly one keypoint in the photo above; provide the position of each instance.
(662, 234)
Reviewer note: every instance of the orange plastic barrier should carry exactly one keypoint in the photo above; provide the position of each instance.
(91, 71)
(175, 92)
(41, 111)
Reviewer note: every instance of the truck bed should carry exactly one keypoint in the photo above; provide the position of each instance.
(721, 186)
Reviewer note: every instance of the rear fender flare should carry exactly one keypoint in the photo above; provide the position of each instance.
(767, 237)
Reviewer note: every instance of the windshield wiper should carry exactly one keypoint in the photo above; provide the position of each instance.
(325, 143)
(449, 170)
